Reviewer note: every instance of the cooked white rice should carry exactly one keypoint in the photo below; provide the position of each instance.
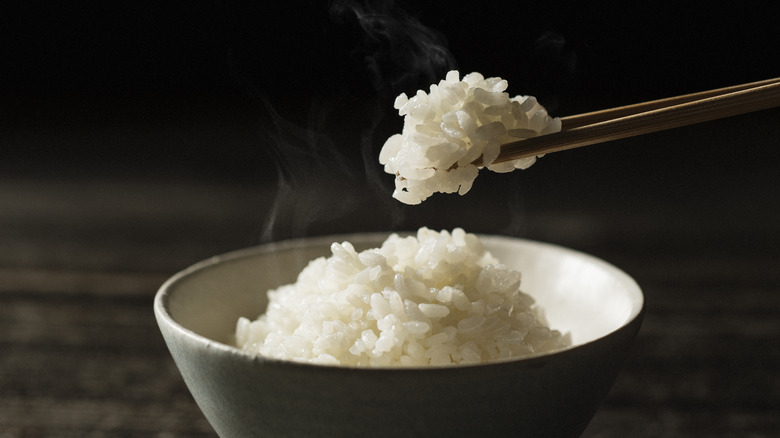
(437, 298)
(448, 128)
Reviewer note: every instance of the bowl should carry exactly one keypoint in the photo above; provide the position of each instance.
(547, 395)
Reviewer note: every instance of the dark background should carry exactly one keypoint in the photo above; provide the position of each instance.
(234, 91)
(137, 138)
(187, 89)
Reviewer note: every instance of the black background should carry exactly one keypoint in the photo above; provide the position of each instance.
(80, 65)
(249, 91)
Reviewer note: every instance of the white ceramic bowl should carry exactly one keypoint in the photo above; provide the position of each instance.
(551, 395)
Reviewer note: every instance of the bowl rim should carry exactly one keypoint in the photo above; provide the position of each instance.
(164, 317)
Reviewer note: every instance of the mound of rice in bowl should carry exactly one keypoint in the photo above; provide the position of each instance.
(457, 122)
(437, 298)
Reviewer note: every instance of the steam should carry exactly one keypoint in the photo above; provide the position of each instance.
(323, 187)
(318, 186)
(400, 53)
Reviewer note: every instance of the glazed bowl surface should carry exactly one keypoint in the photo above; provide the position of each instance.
(548, 395)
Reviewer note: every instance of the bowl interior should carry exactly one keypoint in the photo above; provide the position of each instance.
(581, 294)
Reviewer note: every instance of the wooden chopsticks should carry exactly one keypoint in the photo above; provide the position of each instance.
(643, 118)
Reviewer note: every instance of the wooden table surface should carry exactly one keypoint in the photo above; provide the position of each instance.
(81, 257)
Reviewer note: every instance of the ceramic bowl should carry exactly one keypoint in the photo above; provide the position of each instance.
(550, 395)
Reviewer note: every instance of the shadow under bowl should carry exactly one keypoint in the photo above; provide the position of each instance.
(548, 395)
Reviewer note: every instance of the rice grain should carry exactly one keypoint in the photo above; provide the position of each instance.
(436, 298)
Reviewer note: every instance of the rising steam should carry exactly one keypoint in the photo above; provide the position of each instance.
(400, 53)
(317, 184)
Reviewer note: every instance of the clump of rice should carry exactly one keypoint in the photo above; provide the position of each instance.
(448, 128)
(437, 298)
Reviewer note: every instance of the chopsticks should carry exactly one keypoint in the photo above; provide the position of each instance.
(647, 117)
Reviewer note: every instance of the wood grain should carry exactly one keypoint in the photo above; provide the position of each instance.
(80, 261)
(629, 123)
